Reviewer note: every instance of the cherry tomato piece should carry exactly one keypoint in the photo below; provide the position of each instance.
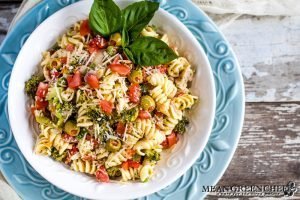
(144, 114)
(133, 164)
(92, 80)
(134, 92)
(106, 106)
(42, 90)
(85, 28)
(172, 139)
(101, 175)
(120, 128)
(40, 103)
(74, 81)
(70, 47)
(125, 165)
(121, 69)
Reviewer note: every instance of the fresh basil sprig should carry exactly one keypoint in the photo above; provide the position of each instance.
(149, 51)
(136, 16)
(106, 18)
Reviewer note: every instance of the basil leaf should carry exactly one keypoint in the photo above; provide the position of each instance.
(136, 16)
(149, 51)
(105, 17)
(125, 38)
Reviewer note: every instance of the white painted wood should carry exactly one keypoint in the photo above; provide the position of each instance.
(268, 49)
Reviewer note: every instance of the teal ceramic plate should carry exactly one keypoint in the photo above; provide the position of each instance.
(223, 140)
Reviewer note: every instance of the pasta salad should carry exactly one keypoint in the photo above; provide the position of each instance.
(108, 101)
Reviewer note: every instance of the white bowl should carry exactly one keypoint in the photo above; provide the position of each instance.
(172, 165)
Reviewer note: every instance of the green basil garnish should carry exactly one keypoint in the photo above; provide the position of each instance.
(136, 16)
(149, 51)
(105, 17)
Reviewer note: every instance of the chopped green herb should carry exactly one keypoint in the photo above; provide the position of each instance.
(180, 128)
(32, 84)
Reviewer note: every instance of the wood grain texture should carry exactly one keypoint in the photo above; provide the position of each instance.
(7, 12)
(268, 52)
(269, 147)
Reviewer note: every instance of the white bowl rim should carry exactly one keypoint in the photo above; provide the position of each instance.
(55, 181)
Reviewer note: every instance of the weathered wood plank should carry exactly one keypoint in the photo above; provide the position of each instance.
(269, 148)
(7, 12)
(268, 52)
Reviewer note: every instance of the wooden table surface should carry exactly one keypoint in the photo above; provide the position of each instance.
(268, 49)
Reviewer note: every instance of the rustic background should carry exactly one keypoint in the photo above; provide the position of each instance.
(268, 49)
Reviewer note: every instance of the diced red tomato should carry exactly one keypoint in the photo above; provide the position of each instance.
(85, 28)
(130, 164)
(120, 128)
(92, 49)
(74, 81)
(130, 153)
(134, 92)
(92, 80)
(162, 69)
(101, 175)
(70, 47)
(63, 60)
(74, 150)
(164, 144)
(42, 90)
(40, 103)
(144, 114)
(125, 165)
(133, 164)
(170, 140)
(121, 69)
(106, 106)
(97, 43)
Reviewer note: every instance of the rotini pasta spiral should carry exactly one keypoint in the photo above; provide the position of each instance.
(43, 145)
(159, 96)
(83, 120)
(167, 86)
(107, 86)
(171, 120)
(133, 136)
(185, 76)
(149, 31)
(156, 79)
(88, 167)
(116, 158)
(51, 137)
(184, 101)
(147, 127)
(177, 66)
(130, 174)
(146, 172)
(145, 144)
